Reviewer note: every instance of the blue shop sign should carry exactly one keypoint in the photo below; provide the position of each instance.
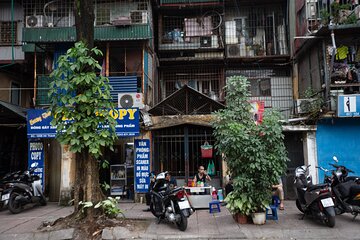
(36, 158)
(348, 105)
(39, 123)
(142, 165)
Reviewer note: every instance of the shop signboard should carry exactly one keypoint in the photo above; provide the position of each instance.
(36, 158)
(142, 165)
(348, 105)
(39, 123)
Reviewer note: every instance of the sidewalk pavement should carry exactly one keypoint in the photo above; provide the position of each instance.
(201, 225)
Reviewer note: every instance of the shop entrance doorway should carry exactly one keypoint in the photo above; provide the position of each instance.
(178, 150)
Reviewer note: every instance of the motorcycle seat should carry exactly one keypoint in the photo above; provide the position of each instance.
(317, 186)
(175, 190)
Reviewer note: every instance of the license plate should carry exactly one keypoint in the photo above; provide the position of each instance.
(5, 197)
(327, 202)
(184, 204)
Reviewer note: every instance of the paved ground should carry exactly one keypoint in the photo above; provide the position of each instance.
(201, 225)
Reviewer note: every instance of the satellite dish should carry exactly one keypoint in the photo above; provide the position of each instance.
(32, 21)
(126, 101)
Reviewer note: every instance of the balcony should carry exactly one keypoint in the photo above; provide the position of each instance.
(102, 33)
(336, 15)
(114, 21)
(255, 32)
(119, 84)
(195, 35)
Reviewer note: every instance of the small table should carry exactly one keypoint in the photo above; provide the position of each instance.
(197, 200)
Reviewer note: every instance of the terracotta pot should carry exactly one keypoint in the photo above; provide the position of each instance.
(240, 218)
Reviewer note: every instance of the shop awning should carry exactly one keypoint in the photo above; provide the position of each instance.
(11, 114)
(186, 101)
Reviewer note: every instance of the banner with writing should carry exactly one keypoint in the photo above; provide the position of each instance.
(142, 165)
(39, 123)
(36, 158)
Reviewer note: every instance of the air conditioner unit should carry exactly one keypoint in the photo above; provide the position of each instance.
(130, 100)
(311, 9)
(233, 51)
(138, 17)
(303, 105)
(35, 21)
(205, 42)
(121, 21)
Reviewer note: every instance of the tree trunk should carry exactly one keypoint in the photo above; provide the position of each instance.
(87, 188)
(84, 22)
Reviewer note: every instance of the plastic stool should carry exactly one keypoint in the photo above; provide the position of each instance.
(211, 204)
(273, 215)
(275, 201)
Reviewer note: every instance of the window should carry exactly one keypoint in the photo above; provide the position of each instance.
(260, 87)
(15, 93)
(6, 35)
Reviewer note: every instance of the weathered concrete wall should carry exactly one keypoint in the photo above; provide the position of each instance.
(67, 175)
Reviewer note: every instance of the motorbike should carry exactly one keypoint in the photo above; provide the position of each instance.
(315, 200)
(5, 183)
(25, 189)
(345, 189)
(169, 204)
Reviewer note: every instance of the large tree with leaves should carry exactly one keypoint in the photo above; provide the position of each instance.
(80, 104)
(255, 154)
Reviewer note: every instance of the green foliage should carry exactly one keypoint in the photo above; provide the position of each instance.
(110, 207)
(325, 16)
(105, 164)
(85, 205)
(79, 95)
(255, 154)
(314, 108)
(105, 186)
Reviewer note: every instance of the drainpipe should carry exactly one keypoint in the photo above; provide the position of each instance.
(328, 79)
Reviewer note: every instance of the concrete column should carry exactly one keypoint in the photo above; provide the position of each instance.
(310, 154)
(67, 175)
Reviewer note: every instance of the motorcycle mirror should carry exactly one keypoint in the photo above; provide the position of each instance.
(335, 159)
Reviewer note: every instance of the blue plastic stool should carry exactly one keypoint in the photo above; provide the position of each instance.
(273, 215)
(214, 203)
(275, 201)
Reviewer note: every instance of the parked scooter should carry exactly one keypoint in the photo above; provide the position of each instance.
(345, 189)
(168, 204)
(25, 190)
(312, 199)
(5, 183)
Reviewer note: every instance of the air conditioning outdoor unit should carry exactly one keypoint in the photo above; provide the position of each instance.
(311, 9)
(233, 51)
(138, 17)
(34, 21)
(130, 100)
(303, 105)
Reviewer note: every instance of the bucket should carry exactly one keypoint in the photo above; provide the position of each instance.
(259, 218)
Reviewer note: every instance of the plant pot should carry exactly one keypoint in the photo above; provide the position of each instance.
(240, 218)
(259, 218)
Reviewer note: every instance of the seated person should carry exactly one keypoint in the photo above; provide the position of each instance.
(279, 192)
(172, 180)
(229, 187)
(201, 176)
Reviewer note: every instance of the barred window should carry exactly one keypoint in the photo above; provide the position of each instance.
(6, 35)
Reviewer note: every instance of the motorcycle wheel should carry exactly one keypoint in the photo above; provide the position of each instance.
(13, 206)
(330, 220)
(298, 205)
(182, 225)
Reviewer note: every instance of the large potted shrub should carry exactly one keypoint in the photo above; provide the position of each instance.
(255, 153)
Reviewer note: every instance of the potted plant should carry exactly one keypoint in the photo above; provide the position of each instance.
(255, 153)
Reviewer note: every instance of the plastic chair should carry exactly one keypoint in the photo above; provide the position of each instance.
(273, 215)
(216, 204)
